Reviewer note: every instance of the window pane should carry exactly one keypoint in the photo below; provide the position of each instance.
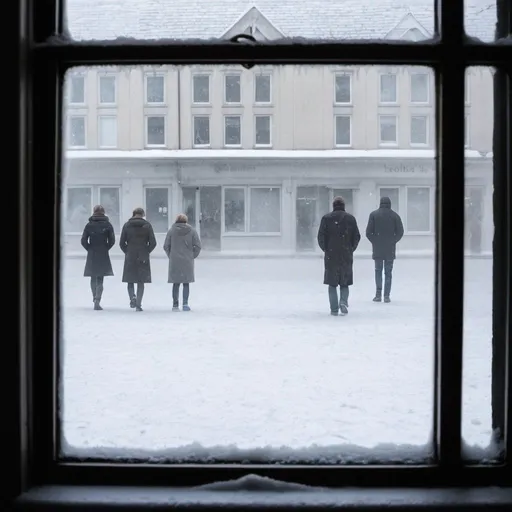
(418, 209)
(77, 132)
(156, 131)
(479, 357)
(100, 20)
(232, 84)
(201, 131)
(343, 89)
(388, 132)
(263, 137)
(419, 87)
(262, 88)
(233, 130)
(234, 209)
(109, 199)
(155, 89)
(107, 128)
(255, 180)
(419, 130)
(107, 89)
(265, 215)
(77, 84)
(157, 208)
(480, 19)
(201, 86)
(343, 131)
(388, 88)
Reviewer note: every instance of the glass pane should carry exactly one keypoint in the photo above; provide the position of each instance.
(388, 88)
(233, 94)
(479, 357)
(343, 89)
(480, 19)
(107, 132)
(77, 133)
(109, 199)
(155, 89)
(107, 89)
(419, 130)
(234, 209)
(77, 85)
(262, 370)
(157, 208)
(265, 21)
(420, 87)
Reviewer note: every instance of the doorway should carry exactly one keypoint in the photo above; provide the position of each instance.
(157, 208)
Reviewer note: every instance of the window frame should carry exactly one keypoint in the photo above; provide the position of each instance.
(146, 132)
(412, 73)
(69, 118)
(107, 74)
(224, 83)
(449, 52)
(169, 188)
(271, 142)
(397, 98)
(107, 116)
(235, 146)
(83, 76)
(194, 117)
(66, 199)
(431, 206)
(350, 75)
(425, 144)
(247, 212)
(153, 74)
(336, 145)
(193, 75)
(384, 144)
(271, 80)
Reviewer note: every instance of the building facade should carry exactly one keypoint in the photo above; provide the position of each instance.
(255, 157)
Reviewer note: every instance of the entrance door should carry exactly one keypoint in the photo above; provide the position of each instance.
(157, 208)
(348, 195)
(474, 217)
(191, 205)
(306, 213)
(210, 204)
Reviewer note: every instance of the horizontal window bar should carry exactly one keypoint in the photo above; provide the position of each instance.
(350, 52)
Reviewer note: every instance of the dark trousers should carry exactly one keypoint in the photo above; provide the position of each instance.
(176, 294)
(140, 292)
(387, 265)
(333, 297)
(97, 287)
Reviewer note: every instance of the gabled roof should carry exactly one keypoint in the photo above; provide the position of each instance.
(311, 19)
(406, 24)
(256, 22)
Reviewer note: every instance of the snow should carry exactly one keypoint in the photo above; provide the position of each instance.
(260, 371)
(257, 154)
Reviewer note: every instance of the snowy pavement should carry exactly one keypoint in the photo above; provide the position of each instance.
(260, 363)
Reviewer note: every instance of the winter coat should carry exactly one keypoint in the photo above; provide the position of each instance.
(97, 239)
(137, 242)
(384, 230)
(182, 246)
(338, 237)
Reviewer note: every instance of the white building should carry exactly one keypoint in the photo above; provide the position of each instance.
(254, 157)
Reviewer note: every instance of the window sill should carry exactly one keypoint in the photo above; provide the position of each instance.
(358, 499)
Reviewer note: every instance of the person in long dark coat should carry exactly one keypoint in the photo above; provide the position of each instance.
(137, 242)
(97, 239)
(384, 230)
(338, 237)
(182, 246)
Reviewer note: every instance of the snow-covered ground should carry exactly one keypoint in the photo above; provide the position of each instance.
(260, 363)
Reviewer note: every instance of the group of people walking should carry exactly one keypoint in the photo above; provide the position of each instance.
(338, 237)
(137, 241)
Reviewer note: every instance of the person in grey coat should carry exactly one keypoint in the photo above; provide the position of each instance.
(182, 246)
(137, 242)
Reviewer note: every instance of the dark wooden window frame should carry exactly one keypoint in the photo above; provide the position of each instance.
(49, 53)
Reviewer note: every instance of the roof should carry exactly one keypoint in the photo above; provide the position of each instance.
(312, 19)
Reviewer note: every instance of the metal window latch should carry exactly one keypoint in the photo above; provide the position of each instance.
(245, 39)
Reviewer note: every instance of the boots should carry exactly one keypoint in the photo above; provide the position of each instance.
(97, 297)
(378, 296)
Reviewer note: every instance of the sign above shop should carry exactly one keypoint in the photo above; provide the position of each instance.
(407, 169)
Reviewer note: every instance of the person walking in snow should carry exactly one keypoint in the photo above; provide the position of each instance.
(338, 237)
(182, 246)
(384, 230)
(97, 239)
(137, 242)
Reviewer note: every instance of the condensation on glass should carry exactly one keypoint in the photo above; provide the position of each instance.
(254, 159)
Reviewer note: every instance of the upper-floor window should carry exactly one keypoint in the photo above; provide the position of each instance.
(263, 88)
(232, 130)
(388, 88)
(262, 131)
(107, 131)
(77, 137)
(77, 90)
(232, 89)
(155, 89)
(420, 87)
(107, 90)
(343, 129)
(419, 130)
(201, 89)
(467, 131)
(201, 128)
(388, 130)
(155, 131)
(467, 80)
(342, 88)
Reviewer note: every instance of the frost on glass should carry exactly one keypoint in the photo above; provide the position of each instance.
(265, 20)
(480, 18)
(478, 274)
(259, 369)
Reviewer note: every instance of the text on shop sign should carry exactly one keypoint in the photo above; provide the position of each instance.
(402, 168)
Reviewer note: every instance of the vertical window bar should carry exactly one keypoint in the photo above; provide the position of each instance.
(450, 234)
(502, 286)
(43, 215)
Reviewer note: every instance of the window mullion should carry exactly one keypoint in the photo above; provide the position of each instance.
(450, 235)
